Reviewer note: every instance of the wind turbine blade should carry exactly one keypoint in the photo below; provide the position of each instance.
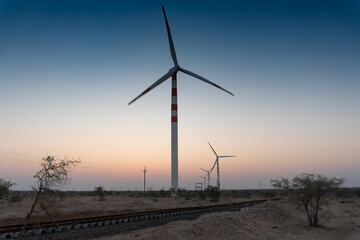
(226, 156)
(155, 84)
(204, 170)
(203, 79)
(171, 43)
(212, 148)
(214, 165)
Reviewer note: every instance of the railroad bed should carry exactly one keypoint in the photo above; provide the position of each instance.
(127, 221)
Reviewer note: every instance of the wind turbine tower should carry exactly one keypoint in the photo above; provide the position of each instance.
(174, 107)
(144, 171)
(217, 165)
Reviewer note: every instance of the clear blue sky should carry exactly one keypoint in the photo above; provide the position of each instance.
(69, 68)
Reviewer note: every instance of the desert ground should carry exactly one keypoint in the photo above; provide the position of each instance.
(84, 206)
(283, 219)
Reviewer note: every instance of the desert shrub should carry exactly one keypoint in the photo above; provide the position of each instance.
(182, 192)
(234, 193)
(201, 195)
(16, 197)
(188, 195)
(164, 193)
(346, 193)
(357, 192)
(308, 190)
(111, 192)
(245, 194)
(5, 187)
(62, 195)
(269, 194)
(152, 194)
(100, 192)
(213, 193)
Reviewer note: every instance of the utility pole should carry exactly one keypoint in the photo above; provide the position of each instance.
(144, 171)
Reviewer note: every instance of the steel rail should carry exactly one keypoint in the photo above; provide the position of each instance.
(43, 227)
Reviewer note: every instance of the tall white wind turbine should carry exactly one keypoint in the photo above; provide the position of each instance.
(174, 120)
(217, 165)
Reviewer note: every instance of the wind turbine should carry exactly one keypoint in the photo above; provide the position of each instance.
(174, 120)
(217, 166)
(204, 180)
(208, 175)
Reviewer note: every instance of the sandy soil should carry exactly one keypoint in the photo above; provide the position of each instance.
(71, 207)
(270, 220)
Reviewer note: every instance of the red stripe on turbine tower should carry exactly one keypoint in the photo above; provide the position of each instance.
(147, 90)
(173, 119)
(216, 85)
(174, 92)
(174, 107)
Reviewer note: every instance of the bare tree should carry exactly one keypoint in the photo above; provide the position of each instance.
(54, 174)
(308, 189)
(5, 187)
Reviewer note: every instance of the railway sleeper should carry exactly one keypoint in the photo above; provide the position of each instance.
(29, 233)
(15, 234)
(69, 227)
(50, 230)
(77, 226)
(92, 225)
(5, 235)
(85, 225)
(121, 220)
(40, 231)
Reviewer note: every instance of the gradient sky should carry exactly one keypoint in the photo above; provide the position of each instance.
(69, 68)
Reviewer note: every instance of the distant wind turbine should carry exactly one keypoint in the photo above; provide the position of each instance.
(203, 177)
(208, 175)
(217, 165)
(174, 120)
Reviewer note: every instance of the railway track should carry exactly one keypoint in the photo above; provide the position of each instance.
(42, 228)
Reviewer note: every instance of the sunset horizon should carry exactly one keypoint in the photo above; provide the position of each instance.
(68, 70)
